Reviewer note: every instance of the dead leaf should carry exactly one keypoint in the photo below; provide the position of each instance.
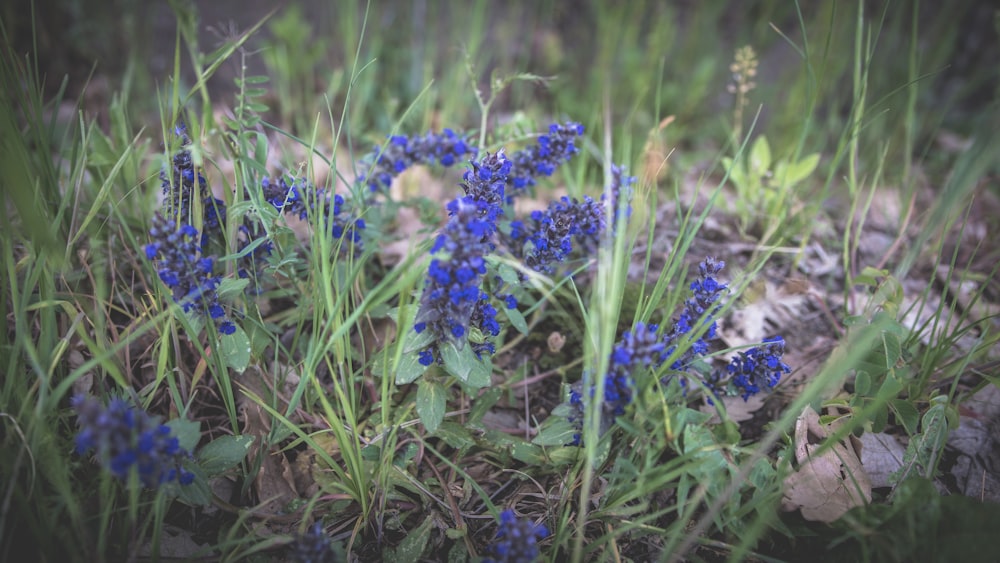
(829, 483)
(768, 308)
(275, 481)
(882, 455)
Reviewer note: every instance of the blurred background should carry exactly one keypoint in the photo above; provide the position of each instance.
(649, 60)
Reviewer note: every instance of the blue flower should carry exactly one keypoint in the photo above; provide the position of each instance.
(452, 299)
(547, 238)
(314, 546)
(760, 367)
(638, 349)
(183, 183)
(516, 540)
(124, 437)
(185, 271)
(401, 152)
(706, 292)
(542, 159)
(300, 198)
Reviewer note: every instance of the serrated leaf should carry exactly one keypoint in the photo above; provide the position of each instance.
(431, 402)
(223, 453)
(235, 349)
(188, 432)
(517, 320)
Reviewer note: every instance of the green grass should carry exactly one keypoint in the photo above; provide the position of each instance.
(315, 411)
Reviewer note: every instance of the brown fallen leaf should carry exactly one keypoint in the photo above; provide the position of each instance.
(826, 484)
(275, 481)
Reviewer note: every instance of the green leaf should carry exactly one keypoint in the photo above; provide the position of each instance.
(197, 492)
(412, 547)
(463, 364)
(223, 453)
(188, 432)
(517, 320)
(431, 401)
(409, 368)
(760, 156)
(483, 403)
(862, 383)
(455, 435)
(555, 431)
(796, 172)
(907, 414)
(508, 274)
(892, 349)
(232, 287)
(869, 276)
(235, 349)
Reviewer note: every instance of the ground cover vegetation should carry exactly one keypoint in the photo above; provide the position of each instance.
(420, 282)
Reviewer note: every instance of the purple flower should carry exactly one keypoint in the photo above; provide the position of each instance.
(547, 238)
(184, 183)
(706, 292)
(300, 198)
(638, 349)
(516, 540)
(183, 269)
(401, 152)
(452, 300)
(542, 159)
(125, 437)
(759, 368)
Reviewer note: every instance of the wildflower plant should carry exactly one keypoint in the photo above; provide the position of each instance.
(124, 438)
(400, 152)
(642, 350)
(516, 540)
(185, 271)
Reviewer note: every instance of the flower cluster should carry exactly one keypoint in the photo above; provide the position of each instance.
(185, 271)
(706, 292)
(452, 300)
(549, 234)
(759, 367)
(517, 539)
(638, 349)
(300, 198)
(125, 437)
(401, 152)
(181, 184)
(314, 546)
(542, 159)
